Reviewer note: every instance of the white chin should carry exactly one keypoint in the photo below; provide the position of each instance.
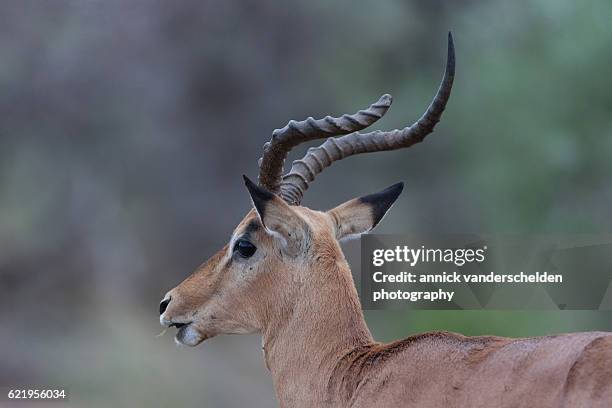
(188, 336)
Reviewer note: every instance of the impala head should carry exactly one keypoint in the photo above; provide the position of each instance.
(279, 245)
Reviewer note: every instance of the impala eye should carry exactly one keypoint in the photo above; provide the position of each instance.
(245, 248)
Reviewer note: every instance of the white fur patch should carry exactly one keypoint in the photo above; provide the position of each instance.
(188, 336)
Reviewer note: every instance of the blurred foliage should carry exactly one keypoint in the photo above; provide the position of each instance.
(126, 126)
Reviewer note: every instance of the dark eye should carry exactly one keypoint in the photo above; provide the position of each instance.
(245, 248)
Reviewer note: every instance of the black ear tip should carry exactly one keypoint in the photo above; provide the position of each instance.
(253, 188)
(397, 187)
(392, 192)
(259, 195)
(247, 181)
(382, 201)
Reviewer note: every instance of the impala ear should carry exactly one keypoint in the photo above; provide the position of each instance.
(361, 214)
(278, 218)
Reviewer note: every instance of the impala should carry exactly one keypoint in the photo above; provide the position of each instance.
(283, 275)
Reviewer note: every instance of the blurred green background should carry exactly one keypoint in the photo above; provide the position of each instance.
(126, 126)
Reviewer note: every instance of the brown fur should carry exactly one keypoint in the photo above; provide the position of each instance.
(321, 354)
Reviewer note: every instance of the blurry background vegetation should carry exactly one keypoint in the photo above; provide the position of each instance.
(126, 126)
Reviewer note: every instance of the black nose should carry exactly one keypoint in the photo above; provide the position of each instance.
(163, 305)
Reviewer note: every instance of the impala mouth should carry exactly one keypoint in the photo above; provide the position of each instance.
(187, 334)
(180, 330)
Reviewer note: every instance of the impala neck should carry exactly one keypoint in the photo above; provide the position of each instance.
(302, 347)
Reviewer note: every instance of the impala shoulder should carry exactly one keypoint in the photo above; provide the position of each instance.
(374, 365)
(592, 370)
(434, 341)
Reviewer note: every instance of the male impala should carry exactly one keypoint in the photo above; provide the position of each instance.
(283, 275)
